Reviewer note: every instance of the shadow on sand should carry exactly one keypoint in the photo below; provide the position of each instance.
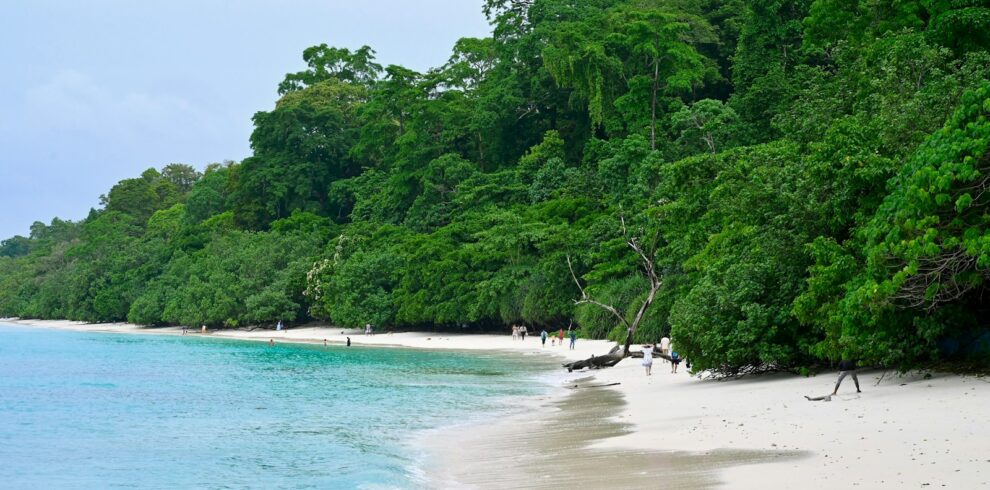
(549, 447)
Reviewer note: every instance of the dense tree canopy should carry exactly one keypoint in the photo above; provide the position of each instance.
(810, 177)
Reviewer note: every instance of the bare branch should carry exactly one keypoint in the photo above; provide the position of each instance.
(649, 267)
(943, 272)
(585, 299)
(609, 308)
(571, 268)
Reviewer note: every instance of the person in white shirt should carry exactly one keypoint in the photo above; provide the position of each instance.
(648, 358)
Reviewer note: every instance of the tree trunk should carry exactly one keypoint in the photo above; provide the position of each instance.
(608, 360)
(615, 355)
(595, 362)
(653, 105)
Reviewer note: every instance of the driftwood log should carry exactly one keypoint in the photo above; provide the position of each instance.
(608, 360)
(575, 387)
(595, 362)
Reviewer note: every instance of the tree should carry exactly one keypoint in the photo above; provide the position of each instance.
(210, 195)
(326, 63)
(15, 246)
(658, 56)
(768, 50)
(707, 125)
(577, 58)
(142, 196)
(924, 249)
(787, 160)
(300, 149)
(648, 263)
(182, 176)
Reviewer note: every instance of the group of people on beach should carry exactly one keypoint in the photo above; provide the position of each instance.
(519, 333)
(666, 351)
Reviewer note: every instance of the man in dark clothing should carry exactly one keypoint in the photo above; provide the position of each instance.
(847, 367)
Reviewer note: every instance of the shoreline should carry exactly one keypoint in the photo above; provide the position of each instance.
(315, 335)
(756, 432)
(550, 443)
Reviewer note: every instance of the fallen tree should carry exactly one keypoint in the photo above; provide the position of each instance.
(608, 360)
(620, 351)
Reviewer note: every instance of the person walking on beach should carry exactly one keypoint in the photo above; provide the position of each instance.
(184, 328)
(543, 338)
(278, 326)
(348, 341)
(648, 359)
(573, 338)
(367, 329)
(675, 360)
(560, 335)
(847, 367)
(665, 346)
(522, 332)
(515, 332)
(204, 328)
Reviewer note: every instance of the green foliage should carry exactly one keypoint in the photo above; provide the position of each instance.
(15, 246)
(963, 26)
(648, 50)
(924, 248)
(354, 286)
(787, 165)
(327, 63)
(768, 50)
(831, 21)
(238, 278)
(181, 176)
(300, 149)
(210, 195)
(143, 196)
(707, 125)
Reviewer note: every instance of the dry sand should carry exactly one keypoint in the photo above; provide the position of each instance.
(906, 432)
(757, 432)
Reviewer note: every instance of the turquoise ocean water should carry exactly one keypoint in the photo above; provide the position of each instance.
(94, 410)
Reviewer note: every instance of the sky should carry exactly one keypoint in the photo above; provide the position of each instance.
(98, 91)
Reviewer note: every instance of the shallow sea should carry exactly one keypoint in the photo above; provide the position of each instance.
(98, 410)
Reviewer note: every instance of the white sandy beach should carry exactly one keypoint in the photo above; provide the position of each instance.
(906, 432)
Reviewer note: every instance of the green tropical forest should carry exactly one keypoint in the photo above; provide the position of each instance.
(810, 178)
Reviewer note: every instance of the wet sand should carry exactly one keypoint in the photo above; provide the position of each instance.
(548, 445)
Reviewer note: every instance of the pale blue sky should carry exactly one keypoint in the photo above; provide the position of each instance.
(92, 92)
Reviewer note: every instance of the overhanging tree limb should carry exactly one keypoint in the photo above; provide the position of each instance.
(585, 299)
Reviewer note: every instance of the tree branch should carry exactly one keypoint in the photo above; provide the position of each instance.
(649, 267)
(585, 299)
